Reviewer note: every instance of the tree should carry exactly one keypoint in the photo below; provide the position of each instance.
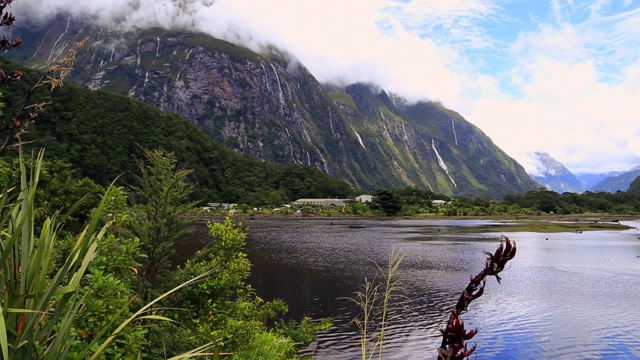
(24, 113)
(107, 290)
(159, 200)
(276, 198)
(388, 202)
(225, 309)
(60, 190)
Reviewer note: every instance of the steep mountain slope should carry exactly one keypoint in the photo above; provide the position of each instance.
(269, 106)
(103, 134)
(634, 187)
(590, 180)
(555, 176)
(617, 183)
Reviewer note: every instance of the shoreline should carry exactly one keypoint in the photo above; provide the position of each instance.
(591, 218)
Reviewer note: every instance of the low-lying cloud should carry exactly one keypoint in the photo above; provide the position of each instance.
(562, 78)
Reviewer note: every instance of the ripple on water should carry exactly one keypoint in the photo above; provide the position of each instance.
(559, 298)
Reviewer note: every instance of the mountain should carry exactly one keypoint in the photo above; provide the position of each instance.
(554, 176)
(591, 179)
(102, 135)
(635, 186)
(617, 183)
(269, 106)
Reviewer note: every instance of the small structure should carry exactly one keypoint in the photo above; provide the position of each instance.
(224, 206)
(320, 202)
(364, 198)
(439, 202)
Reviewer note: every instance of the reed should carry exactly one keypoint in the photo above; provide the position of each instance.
(376, 301)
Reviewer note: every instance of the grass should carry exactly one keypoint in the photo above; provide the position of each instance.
(554, 226)
(375, 301)
(343, 98)
(522, 226)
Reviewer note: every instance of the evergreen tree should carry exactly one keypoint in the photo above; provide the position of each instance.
(388, 202)
(159, 200)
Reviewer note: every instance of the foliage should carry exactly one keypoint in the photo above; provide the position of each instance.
(303, 332)
(269, 345)
(60, 190)
(160, 197)
(388, 202)
(224, 309)
(544, 201)
(108, 291)
(39, 302)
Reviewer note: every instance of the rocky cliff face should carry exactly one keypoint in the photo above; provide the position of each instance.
(269, 106)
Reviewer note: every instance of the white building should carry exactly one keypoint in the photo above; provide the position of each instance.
(365, 198)
(320, 202)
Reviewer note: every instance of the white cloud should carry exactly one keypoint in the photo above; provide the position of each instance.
(381, 41)
(585, 124)
(569, 87)
(127, 13)
(562, 41)
(556, 10)
(597, 6)
(363, 40)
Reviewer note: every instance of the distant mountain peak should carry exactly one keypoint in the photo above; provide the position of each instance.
(617, 182)
(553, 175)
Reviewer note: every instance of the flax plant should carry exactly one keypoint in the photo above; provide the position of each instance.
(454, 335)
(376, 300)
(39, 303)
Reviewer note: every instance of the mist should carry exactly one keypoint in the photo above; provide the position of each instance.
(338, 41)
(502, 65)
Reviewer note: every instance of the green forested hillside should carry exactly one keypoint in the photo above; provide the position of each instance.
(269, 106)
(102, 134)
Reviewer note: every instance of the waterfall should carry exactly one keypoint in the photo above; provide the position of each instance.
(333, 131)
(53, 47)
(453, 126)
(441, 162)
(281, 97)
(291, 145)
(360, 140)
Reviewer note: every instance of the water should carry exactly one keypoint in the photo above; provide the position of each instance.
(565, 295)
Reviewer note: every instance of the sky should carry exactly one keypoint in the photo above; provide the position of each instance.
(556, 76)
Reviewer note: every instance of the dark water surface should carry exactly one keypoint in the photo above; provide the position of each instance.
(565, 295)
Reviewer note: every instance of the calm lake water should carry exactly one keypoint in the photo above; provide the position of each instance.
(564, 296)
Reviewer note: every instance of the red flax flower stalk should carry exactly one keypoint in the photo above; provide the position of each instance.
(454, 335)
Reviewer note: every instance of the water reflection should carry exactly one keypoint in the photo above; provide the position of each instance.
(566, 295)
